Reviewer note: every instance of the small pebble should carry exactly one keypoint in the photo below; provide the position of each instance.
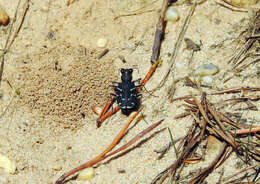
(96, 110)
(47, 91)
(102, 42)
(179, 65)
(8, 165)
(172, 14)
(207, 80)
(206, 69)
(86, 174)
(4, 18)
(213, 144)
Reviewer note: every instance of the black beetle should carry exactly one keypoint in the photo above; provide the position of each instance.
(126, 93)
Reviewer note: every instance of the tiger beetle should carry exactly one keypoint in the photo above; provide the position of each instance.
(126, 92)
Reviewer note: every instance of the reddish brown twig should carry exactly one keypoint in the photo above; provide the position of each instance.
(235, 90)
(136, 138)
(150, 72)
(107, 115)
(109, 101)
(99, 157)
(247, 130)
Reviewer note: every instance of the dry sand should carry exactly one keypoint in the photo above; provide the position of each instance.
(50, 128)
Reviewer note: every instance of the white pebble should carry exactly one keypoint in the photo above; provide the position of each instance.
(207, 80)
(102, 42)
(86, 174)
(179, 65)
(172, 14)
(206, 69)
(47, 91)
(8, 165)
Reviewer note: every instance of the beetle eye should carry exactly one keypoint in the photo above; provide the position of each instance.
(122, 70)
(131, 70)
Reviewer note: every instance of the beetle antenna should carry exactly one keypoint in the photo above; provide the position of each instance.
(150, 93)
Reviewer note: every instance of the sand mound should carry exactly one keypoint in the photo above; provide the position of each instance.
(64, 82)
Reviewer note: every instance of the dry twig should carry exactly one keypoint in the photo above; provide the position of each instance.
(159, 33)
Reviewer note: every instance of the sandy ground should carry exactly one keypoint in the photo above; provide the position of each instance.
(50, 128)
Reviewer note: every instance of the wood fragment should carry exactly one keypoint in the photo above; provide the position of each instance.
(103, 53)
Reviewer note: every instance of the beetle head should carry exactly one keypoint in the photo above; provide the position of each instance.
(126, 74)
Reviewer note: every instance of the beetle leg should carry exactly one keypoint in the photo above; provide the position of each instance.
(112, 95)
(107, 115)
(115, 83)
(139, 96)
(137, 80)
(137, 86)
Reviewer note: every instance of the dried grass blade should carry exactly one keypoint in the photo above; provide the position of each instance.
(205, 172)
